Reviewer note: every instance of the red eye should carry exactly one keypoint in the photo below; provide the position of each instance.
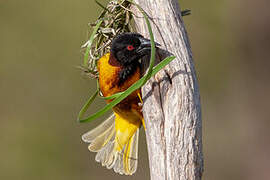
(130, 47)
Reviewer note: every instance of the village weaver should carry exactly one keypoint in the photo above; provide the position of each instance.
(116, 139)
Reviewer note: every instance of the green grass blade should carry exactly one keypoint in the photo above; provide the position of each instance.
(162, 64)
(87, 104)
(153, 48)
(139, 83)
(114, 95)
(91, 39)
(103, 7)
(185, 12)
(131, 89)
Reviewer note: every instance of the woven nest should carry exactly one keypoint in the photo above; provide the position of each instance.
(116, 18)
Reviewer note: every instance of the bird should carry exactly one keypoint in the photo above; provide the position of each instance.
(116, 139)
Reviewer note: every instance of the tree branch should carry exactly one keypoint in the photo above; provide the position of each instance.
(171, 107)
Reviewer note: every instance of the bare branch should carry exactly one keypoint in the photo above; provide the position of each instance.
(171, 107)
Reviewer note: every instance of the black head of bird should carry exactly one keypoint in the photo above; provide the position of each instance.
(128, 48)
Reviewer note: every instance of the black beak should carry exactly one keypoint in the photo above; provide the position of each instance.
(145, 46)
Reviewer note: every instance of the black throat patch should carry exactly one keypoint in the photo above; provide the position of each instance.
(126, 72)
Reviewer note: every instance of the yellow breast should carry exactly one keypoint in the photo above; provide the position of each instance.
(109, 77)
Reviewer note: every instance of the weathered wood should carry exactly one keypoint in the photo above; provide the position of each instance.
(171, 107)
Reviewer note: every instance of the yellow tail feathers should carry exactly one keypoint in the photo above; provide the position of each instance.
(116, 144)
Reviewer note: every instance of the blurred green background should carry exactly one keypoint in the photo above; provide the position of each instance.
(42, 90)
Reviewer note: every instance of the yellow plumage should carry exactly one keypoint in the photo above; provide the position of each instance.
(116, 139)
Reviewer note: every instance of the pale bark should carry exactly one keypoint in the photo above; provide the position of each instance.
(171, 106)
